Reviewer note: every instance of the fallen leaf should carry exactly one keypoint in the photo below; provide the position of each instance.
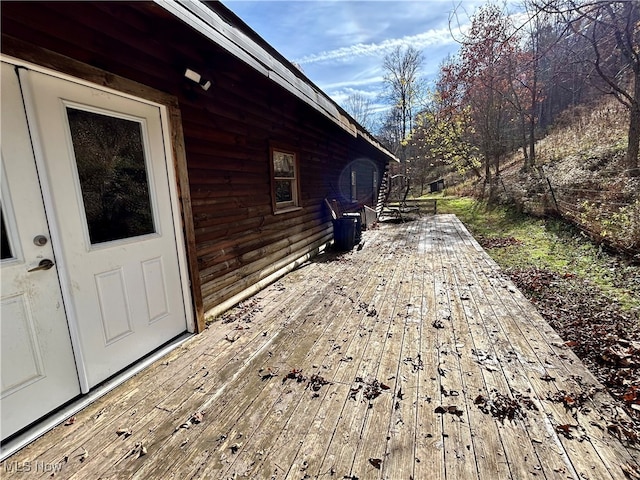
(630, 471)
(565, 430)
(454, 410)
(70, 421)
(197, 417)
(354, 391)
(632, 395)
(316, 382)
(376, 462)
(266, 374)
(138, 450)
(124, 432)
(296, 375)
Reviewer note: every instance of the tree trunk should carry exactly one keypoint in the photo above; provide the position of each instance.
(633, 145)
(634, 131)
(534, 104)
(525, 141)
(532, 141)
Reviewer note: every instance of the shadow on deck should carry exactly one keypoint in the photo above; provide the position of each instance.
(412, 358)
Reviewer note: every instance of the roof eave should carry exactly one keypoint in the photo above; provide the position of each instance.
(234, 40)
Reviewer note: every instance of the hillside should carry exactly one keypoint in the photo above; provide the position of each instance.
(579, 176)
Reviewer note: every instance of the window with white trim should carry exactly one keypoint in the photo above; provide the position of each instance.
(285, 189)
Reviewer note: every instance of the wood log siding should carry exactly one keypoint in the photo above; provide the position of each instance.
(227, 129)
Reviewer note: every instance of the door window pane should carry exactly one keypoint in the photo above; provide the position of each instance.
(113, 177)
(5, 247)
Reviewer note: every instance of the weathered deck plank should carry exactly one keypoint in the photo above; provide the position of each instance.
(419, 318)
(429, 451)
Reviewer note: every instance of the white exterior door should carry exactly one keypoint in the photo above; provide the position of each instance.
(107, 172)
(38, 367)
(91, 277)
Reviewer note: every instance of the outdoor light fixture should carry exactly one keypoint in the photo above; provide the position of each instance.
(196, 77)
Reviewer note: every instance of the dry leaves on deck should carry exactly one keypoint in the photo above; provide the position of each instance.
(370, 389)
(124, 432)
(138, 450)
(630, 471)
(267, 373)
(194, 419)
(624, 431)
(504, 407)
(315, 382)
(452, 409)
(603, 335)
(574, 402)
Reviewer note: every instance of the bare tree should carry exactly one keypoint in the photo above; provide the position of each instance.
(612, 31)
(401, 86)
(389, 131)
(360, 107)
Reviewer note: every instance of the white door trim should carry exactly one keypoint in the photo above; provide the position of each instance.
(56, 234)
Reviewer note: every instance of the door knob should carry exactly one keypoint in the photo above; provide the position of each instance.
(45, 264)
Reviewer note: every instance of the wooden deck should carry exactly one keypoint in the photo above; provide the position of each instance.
(411, 358)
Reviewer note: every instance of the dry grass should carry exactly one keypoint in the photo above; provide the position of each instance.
(585, 133)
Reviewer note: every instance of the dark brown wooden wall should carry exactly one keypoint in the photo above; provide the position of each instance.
(227, 132)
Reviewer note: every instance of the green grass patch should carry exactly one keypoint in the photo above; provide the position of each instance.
(548, 244)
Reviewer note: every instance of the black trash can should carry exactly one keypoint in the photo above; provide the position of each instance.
(358, 218)
(344, 233)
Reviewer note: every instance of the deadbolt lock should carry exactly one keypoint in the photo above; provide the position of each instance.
(40, 240)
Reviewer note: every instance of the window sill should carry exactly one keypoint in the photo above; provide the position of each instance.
(286, 210)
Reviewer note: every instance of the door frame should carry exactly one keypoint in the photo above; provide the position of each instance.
(177, 179)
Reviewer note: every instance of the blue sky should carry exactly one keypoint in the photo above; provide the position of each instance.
(340, 44)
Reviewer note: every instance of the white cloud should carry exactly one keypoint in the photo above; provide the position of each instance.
(375, 80)
(420, 41)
